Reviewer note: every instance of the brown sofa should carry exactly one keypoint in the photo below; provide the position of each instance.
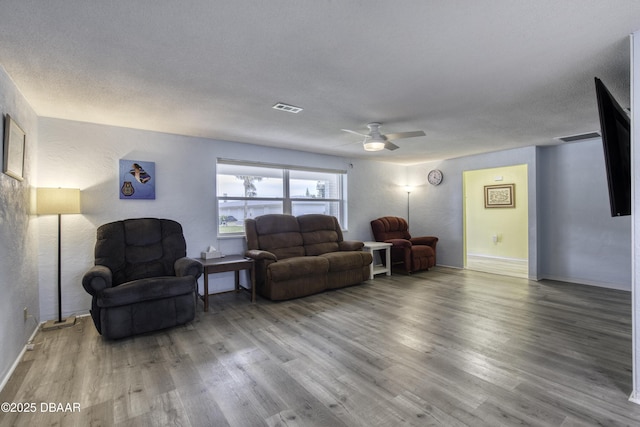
(304, 255)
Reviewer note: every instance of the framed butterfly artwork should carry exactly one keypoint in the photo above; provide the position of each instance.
(137, 180)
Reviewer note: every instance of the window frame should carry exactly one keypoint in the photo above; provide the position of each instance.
(286, 199)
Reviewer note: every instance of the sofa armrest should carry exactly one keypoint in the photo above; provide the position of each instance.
(351, 245)
(399, 243)
(186, 266)
(96, 279)
(425, 240)
(258, 254)
(149, 289)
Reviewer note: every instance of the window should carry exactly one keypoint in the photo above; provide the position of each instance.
(248, 190)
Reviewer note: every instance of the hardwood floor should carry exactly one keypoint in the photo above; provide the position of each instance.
(444, 347)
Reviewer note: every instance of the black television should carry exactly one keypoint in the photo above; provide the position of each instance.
(615, 128)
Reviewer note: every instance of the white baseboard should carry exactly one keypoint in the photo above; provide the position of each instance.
(483, 256)
(5, 380)
(514, 267)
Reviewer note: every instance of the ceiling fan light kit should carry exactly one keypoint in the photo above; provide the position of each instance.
(373, 145)
(375, 141)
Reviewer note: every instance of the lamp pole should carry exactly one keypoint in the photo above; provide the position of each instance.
(408, 190)
(59, 269)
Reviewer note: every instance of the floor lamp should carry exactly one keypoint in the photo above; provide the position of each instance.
(58, 201)
(408, 189)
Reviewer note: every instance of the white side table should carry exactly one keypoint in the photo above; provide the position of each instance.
(379, 268)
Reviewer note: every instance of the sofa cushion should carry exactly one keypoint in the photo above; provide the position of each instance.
(390, 227)
(142, 232)
(322, 247)
(320, 233)
(290, 268)
(273, 224)
(341, 261)
(282, 245)
(280, 235)
(144, 270)
(139, 248)
(314, 222)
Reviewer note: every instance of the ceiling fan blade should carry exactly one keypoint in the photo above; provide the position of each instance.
(354, 132)
(390, 146)
(392, 136)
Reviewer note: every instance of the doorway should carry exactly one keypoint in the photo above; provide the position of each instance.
(496, 221)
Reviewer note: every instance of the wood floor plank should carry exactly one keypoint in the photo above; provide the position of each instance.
(443, 347)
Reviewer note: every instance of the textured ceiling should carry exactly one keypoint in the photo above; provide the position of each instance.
(476, 76)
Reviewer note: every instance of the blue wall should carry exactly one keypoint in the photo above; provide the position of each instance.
(572, 236)
(580, 241)
(438, 210)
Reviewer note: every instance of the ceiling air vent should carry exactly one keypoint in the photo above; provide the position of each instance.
(286, 107)
(578, 137)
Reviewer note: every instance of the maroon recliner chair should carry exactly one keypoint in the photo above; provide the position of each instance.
(416, 253)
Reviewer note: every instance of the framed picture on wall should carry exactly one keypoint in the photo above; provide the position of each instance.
(14, 144)
(137, 180)
(500, 196)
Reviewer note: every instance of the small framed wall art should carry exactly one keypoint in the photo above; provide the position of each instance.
(14, 146)
(500, 196)
(137, 180)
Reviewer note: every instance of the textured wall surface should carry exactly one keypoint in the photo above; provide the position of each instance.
(18, 236)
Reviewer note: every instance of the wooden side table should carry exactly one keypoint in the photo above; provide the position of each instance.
(379, 268)
(234, 263)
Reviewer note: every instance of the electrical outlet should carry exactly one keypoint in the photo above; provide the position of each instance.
(26, 314)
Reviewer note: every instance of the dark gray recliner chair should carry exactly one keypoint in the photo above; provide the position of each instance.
(142, 280)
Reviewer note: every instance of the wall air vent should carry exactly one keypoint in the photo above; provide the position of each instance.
(578, 137)
(286, 107)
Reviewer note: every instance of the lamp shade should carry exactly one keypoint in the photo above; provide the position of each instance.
(57, 201)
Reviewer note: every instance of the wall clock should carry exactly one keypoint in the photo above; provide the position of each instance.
(435, 177)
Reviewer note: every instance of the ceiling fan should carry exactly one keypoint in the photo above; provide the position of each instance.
(375, 141)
